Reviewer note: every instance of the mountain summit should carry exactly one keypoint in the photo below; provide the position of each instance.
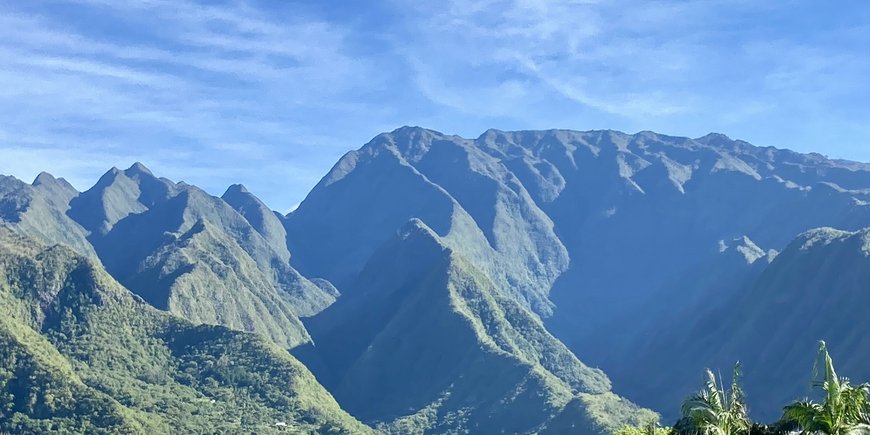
(604, 235)
(517, 282)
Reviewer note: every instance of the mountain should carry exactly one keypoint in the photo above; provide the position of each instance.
(195, 255)
(469, 198)
(269, 224)
(39, 211)
(603, 235)
(638, 213)
(530, 282)
(80, 354)
(423, 342)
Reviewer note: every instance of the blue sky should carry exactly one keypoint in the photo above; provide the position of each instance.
(272, 93)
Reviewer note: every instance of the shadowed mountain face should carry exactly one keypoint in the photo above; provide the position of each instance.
(604, 235)
(817, 288)
(80, 354)
(268, 223)
(424, 342)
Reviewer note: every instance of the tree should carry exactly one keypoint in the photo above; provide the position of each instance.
(845, 409)
(716, 411)
(651, 428)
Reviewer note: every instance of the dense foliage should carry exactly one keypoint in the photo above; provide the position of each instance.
(80, 354)
(843, 409)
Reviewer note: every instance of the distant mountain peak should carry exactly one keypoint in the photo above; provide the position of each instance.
(410, 129)
(46, 179)
(713, 137)
(260, 216)
(138, 168)
(235, 189)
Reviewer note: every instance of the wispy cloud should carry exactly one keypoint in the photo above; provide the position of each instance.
(572, 48)
(271, 94)
(190, 77)
(644, 63)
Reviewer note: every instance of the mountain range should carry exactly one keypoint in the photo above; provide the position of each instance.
(521, 282)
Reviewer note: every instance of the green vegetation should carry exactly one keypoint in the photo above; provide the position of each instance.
(433, 347)
(195, 256)
(716, 411)
(844, 409)
(80, 354)
(651, 428)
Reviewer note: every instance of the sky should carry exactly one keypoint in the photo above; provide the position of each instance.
(272, 93)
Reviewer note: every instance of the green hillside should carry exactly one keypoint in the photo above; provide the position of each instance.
(81, 354)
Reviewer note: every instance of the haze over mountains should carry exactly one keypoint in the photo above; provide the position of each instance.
(520, 282)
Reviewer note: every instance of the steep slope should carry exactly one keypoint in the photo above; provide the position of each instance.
(469, 198)
(670, 353)
(261, 217)
(603, 234)
(640, 212)
(424, 343)
(38, 211)
(117, 195)
(816, 289)
(80, 353)
(194, 255)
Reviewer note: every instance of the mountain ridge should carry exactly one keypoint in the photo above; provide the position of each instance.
(627, 220)
(549, 253)
(499, 371)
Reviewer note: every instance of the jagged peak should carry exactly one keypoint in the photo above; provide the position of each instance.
(405, 143)
(417, 237)
(492, 132)
(415, 228)
(648, 134)
(411, 141)
(414, 129)
(138, 168)
(236, 189)
(713, 137)
(239, 197)
(108, 178)
(44, 178)
(411, 135)
(138, 174)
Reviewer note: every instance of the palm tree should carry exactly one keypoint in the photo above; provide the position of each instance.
(713, 411)
(845, 410)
